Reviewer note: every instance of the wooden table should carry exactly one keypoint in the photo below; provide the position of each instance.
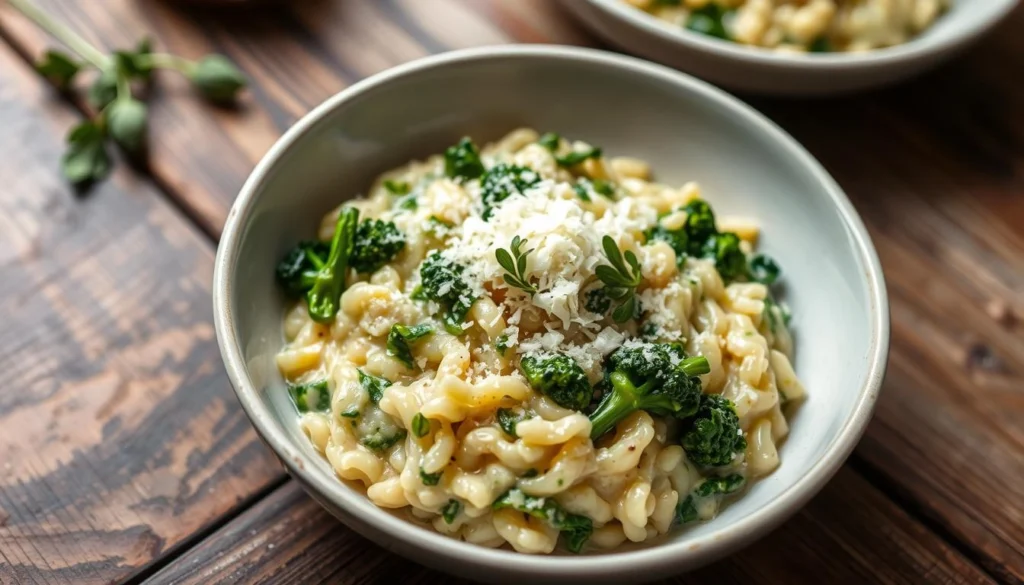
(125, 458)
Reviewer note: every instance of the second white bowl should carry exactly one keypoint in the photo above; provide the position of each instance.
(753, 69)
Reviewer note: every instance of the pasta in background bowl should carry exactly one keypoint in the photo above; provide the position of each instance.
(419, 432)
(798, 47)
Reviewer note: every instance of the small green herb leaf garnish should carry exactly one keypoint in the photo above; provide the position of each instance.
(60, 68)
(620, 281)
(515, 266)
(420, 425)
(373, 385)
(399, 339)
(313, 396)
(577, 156)
(502, 344)
(585, 186)
(450, 511)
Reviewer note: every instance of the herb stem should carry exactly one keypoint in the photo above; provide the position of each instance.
(61, 32)
(169, 61)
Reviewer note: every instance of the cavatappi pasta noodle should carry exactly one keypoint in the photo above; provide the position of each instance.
(802, 25)
(534, 341)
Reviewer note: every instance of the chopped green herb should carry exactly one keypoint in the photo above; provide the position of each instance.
(420, 425)
(577, 156)
(312, 396)
(550, 141)
(450, 511)
(508, 418)
(397, 187)
(399, 339)
(502, 344)
(430, 478)
(575, 528)
(373, 385)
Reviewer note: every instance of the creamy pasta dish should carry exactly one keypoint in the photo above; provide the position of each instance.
(802, 25)
(529, 343)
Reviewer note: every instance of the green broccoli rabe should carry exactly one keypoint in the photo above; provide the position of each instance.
(377, 243)
(686, 510)
(712, 437)
(503, 181)
(558, 377)
(442, 280)
(730, 261)
(462, 161)
(312, 396)
(708, 20)
(508, 418)
(399, 339)
(656, 377)
(329, 282)
(297, 271)
(373, 385)
(576, 529)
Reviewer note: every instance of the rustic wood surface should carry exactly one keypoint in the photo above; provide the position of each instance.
(934, 492)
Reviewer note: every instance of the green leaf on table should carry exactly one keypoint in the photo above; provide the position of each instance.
(104, 88)
(60, 68)
(86, 159)
(217, 79)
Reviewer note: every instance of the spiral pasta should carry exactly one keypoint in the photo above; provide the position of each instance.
(472, 399)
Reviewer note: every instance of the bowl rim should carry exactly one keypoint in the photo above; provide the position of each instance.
(658, 559)
(916, 48)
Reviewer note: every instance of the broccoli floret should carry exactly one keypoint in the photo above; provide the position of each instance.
(713, 437)
(699, 226)
(462, 161)
(442, 280)
(312, 396)
(656, 377)
(504, 181)
(373, 385)
(708, 20)
(377, 243)
(297, 271)
(597, 301)
(399, 339)
(559, 377)
(686, 511)
(451, 510)
(763, 269)
(575, 528)
(329, 281)
(724, 249)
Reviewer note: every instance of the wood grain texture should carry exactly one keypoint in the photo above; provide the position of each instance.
(850, 533)
(935, 167)
(119, 435)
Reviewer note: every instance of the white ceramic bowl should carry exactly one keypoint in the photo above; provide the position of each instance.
(758, 70)
(688, 130)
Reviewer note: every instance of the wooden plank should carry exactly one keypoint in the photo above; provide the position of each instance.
(934, 166)
(850, 533)
(119, 435)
